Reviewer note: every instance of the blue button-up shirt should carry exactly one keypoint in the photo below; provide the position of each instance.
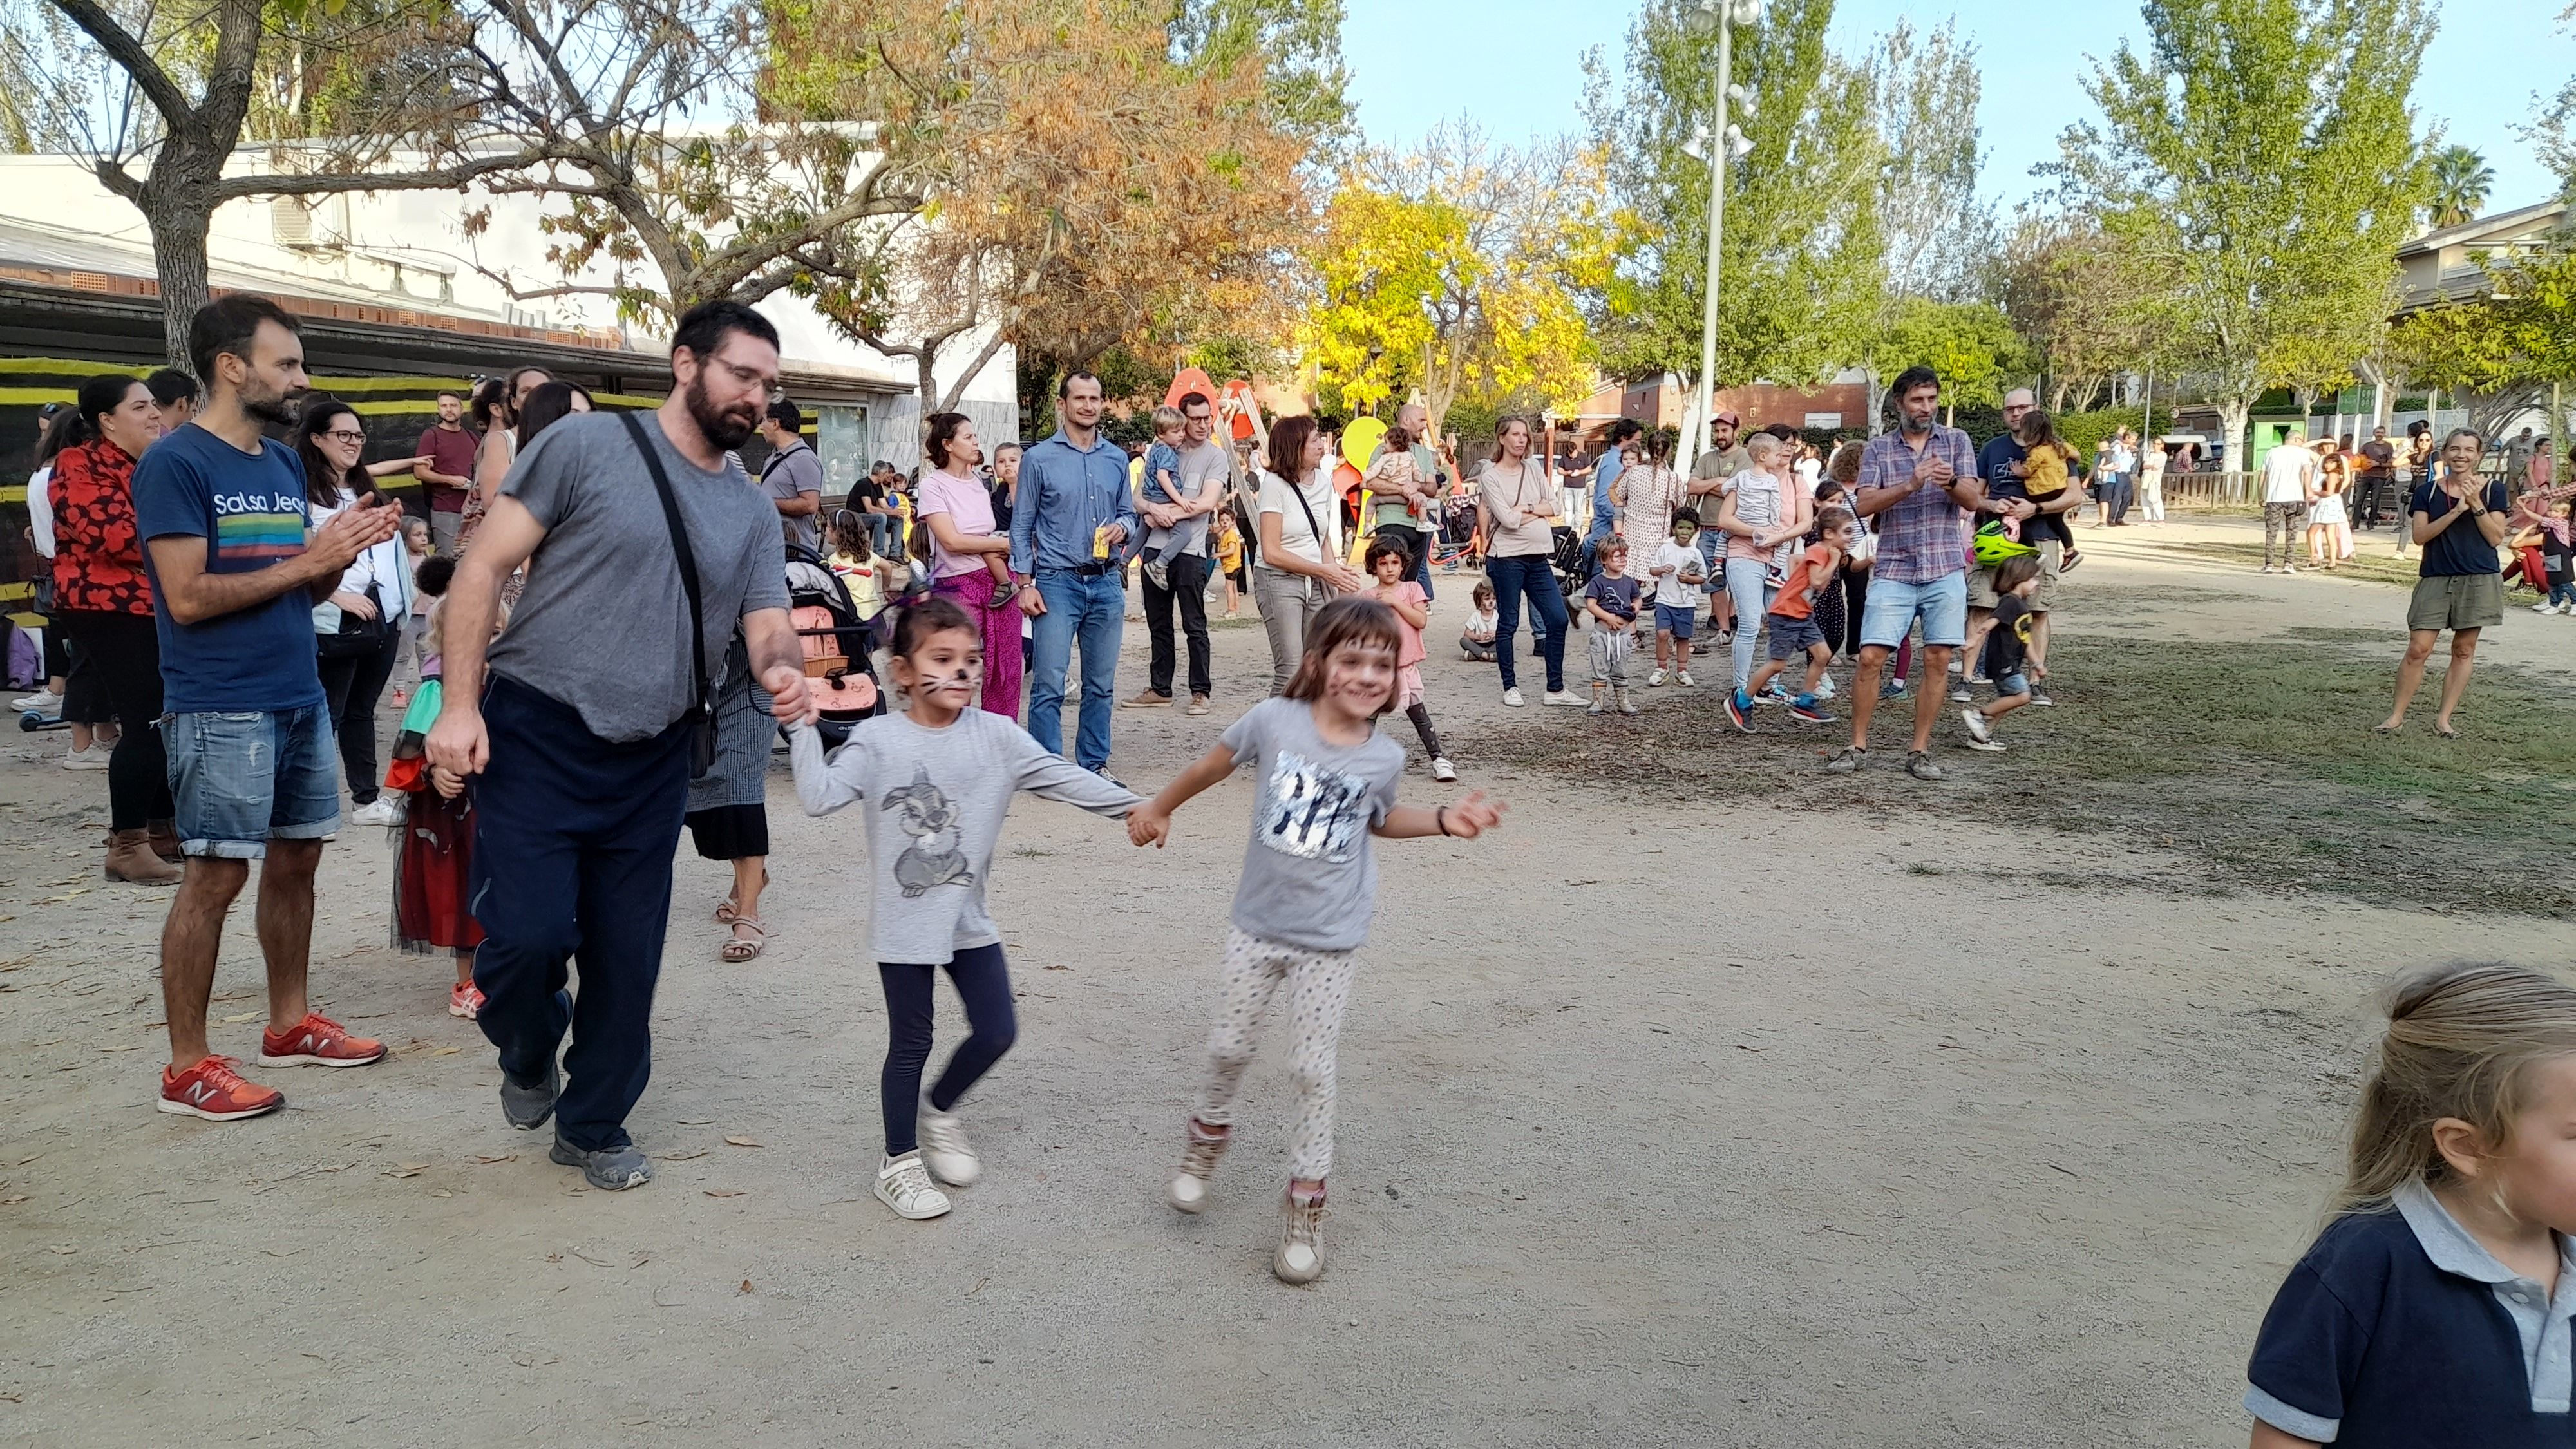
(1066, 495)
(1605, 472)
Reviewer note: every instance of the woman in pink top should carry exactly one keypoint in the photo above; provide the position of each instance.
(966, 553)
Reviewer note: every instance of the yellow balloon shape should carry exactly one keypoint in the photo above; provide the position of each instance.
(1361, 439)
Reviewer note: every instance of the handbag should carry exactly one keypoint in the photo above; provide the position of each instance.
(701, 717)
(358, 637)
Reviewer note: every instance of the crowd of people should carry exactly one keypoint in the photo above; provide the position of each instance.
(595, 628)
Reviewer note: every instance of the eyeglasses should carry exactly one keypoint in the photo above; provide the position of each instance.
(345, 435)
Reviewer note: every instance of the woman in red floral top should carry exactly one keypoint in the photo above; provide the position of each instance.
(103, 599)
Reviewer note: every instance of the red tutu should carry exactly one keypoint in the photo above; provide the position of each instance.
(431, 884)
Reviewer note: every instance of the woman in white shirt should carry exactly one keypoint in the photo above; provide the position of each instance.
(358, 656)
(1520, 505)
(1300, 522)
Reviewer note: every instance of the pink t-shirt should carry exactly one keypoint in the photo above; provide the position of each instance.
(1412, 651)
(968, 507)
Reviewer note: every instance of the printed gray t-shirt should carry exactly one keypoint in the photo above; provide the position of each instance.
(935, 801)
(784, 477)
(1310, 873)
(603, 624)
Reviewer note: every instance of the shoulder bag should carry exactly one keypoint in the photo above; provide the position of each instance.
(359, 637)
(702, 712)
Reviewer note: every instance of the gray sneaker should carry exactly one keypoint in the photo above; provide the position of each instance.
(529, 1107)
(610, 1169)
(1920, 766)
(1848, 762)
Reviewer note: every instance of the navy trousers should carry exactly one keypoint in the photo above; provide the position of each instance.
(983, 982)
(573, 838)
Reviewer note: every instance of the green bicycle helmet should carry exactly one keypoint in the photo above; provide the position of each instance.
(1995, 543)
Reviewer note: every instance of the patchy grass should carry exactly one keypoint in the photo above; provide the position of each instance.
(2378, 568)
(2257, 758)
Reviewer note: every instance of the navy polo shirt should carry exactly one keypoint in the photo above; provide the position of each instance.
(2400, 1329)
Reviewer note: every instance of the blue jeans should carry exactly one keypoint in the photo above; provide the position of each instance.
(1746, 585)
(1093, 610)
(1602, 524)
(572, 868)
(240, 778)
(1529, 574)
(881, 532)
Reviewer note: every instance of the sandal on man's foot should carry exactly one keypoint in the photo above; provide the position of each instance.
(739, 950)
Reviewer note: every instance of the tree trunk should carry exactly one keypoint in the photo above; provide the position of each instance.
(178, 207)
(2232, 411)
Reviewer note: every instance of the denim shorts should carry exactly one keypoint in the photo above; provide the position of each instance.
(1892, 608)
(1791, 638)
(2012, 684)
(1675, 619)
(242, 779)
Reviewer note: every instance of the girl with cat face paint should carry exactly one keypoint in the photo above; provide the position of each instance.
(935, 784)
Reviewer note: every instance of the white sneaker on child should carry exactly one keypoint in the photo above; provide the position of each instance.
(1189, 1188)
(904, 1185)
(943, 1147)
(1300, 1258)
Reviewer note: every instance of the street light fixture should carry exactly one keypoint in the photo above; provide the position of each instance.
(1728, 14)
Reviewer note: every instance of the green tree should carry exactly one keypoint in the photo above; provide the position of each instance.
(1972, 345)
(1940, 238)
(1297, 44)
(2084, 306)
(1798, 293)
(2461, 180)
(2270, 205)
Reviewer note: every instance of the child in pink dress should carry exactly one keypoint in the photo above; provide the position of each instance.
(1388, 560)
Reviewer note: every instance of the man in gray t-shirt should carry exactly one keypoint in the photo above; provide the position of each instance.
(1180, 528)
(793, 477)
(578, 747)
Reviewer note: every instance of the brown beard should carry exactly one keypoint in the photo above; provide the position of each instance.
(726, 430)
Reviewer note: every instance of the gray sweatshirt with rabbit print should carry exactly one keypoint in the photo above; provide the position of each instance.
(934, 806)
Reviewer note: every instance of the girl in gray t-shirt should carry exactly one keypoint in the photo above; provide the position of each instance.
(935, 783)
(1309, 886)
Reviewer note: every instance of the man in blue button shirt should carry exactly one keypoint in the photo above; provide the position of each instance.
(1069, 528)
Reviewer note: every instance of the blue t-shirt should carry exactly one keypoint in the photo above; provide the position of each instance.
(2460, 548)
(1618, 595)
(2373, 1343)
(1994, 464)
(250, 510)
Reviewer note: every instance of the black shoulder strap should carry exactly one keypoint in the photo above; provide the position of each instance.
(679, 548)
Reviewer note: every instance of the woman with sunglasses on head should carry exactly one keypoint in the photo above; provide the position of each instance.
(357, 630)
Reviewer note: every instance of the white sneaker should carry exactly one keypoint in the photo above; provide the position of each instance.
(384, 810)
(1659, 678)
(1189, 1187)
(904, 1185)
(1443, 771)
(43, 701)
(1684, 679)
(1979, 729)
(2544, 607)
(1825, 688)
(943, 1147)
(93, 758)
(1300, 1258)
(1513, 698)
(1562, 697)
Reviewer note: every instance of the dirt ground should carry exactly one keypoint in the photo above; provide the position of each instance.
(1670, 1115)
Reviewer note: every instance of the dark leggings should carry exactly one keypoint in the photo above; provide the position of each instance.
(984, 983)
(126, 654)
(1421, 718)
(352, 686)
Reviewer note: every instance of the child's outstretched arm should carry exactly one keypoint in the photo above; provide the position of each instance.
(824, 786)
(1151, 823)
(1465, 820)
(1044, 773)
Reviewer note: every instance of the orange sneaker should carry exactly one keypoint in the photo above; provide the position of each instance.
(465, 1001)
(213, 1090)
(317, 1041)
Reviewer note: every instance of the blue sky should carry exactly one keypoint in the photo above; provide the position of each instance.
(1515, 68)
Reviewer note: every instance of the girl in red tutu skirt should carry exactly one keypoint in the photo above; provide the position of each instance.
(436, 854)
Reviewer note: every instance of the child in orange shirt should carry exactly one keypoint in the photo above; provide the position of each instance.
(1791, 623)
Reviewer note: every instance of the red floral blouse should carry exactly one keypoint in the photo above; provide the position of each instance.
(98, 555)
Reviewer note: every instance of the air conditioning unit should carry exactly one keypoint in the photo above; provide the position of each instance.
(300, 223)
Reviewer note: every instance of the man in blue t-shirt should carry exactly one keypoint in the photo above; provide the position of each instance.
(2459, 521)
(1605, 474)
(221, 508)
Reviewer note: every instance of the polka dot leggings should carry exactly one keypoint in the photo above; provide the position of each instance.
(1319, 990)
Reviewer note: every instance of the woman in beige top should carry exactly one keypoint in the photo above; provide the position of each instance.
(1520, 506)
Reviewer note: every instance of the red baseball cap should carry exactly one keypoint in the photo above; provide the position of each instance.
(1728, 417)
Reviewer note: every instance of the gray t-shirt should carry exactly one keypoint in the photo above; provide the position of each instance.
(935, 801)
(1203, 467)
(788, 474)
(603, 625)
(1310, 873)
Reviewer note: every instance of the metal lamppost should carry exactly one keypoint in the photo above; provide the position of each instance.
(1729, 142)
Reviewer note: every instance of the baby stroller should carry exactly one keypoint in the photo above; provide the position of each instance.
(1565, 555)
(836, 645)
